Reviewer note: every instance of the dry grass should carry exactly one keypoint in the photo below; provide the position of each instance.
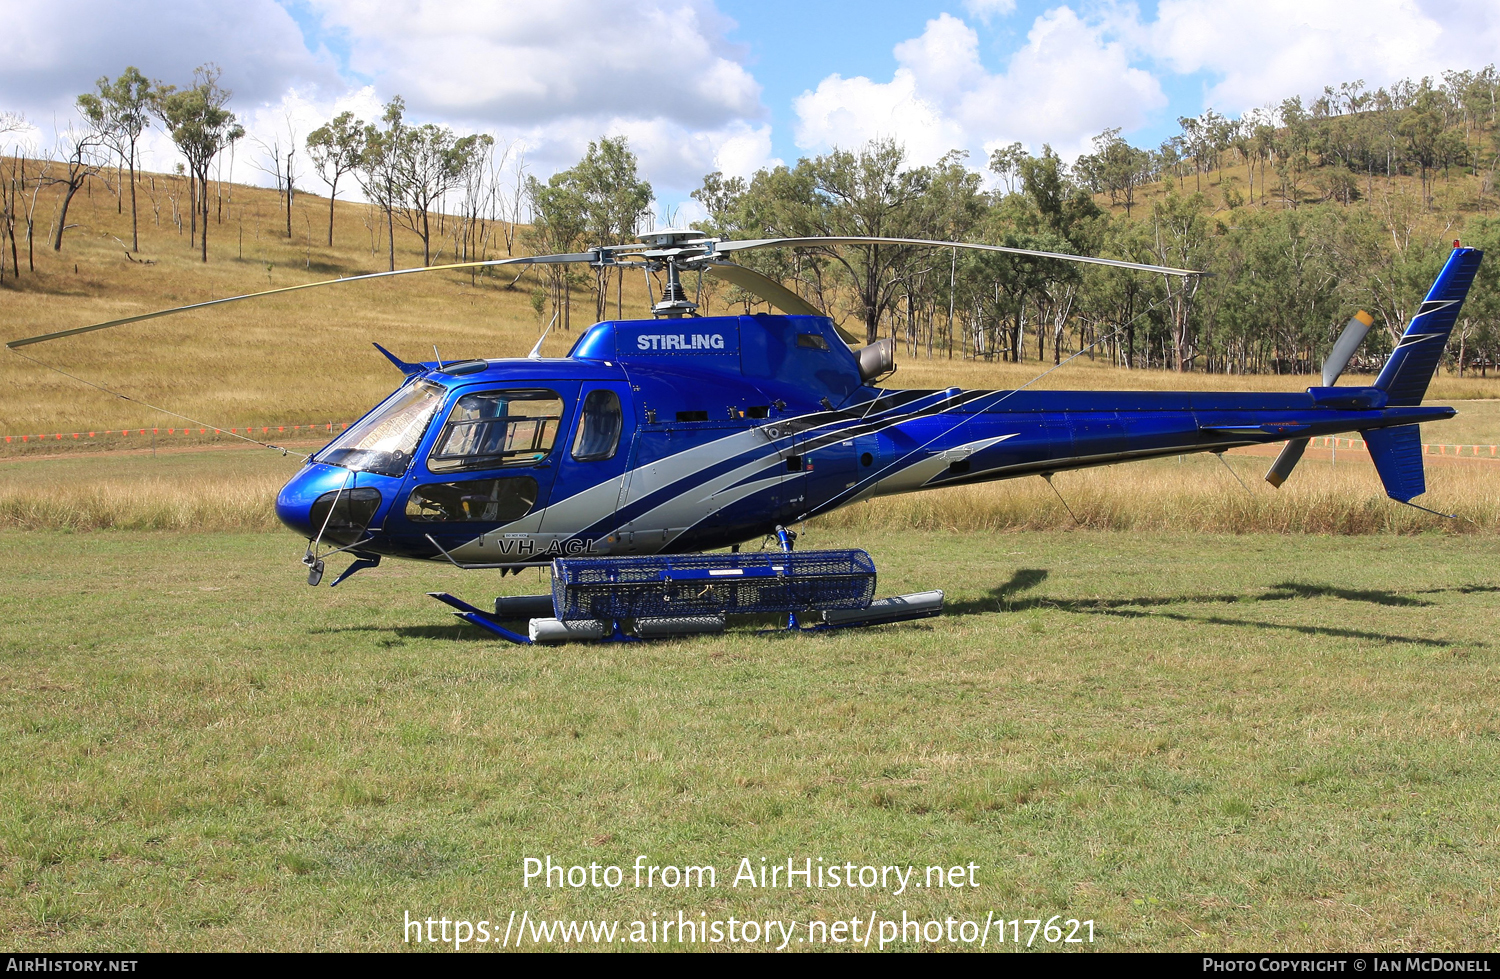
(160, 504)
(1085, 375)
(197, 489)
(236, 489)
(1196, 494)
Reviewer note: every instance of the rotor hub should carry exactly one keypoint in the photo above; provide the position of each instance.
(674, 301)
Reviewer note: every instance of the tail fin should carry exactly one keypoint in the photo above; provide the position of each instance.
(1398, 459)
(1415, 359)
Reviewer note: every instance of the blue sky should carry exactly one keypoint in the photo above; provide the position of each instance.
(734, 85)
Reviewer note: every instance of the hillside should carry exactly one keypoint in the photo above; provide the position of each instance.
(306, 357)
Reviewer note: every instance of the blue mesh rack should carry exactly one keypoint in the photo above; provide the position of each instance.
(615, 588)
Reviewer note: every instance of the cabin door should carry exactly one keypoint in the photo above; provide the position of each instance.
(593, 468)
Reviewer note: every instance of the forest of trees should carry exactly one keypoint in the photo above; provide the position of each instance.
(1301, 213)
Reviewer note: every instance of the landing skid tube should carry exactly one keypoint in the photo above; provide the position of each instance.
(553, 631)
(656, 596)
(476, 616)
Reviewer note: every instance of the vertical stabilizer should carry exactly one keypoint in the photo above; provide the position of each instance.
(1398, 459)
(1416, 356)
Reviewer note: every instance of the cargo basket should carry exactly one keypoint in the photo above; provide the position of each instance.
(616, 588)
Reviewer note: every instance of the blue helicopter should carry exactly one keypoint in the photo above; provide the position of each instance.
(653, 443)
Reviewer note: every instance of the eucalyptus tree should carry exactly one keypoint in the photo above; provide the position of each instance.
(202, 128)
(1115, 168)
(81, 151)
(1005, 163)
(427, 162)
(1180, 235)
(615, 203)
(953, 207)
(122, 109)
(559, 223)
(336, 148)
(861, 193)
(376, 170)
(1058, 207)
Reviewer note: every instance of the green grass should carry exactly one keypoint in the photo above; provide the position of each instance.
(1200, 742)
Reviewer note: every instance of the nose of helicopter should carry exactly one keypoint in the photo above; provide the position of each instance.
(295, 501)
(333, 502)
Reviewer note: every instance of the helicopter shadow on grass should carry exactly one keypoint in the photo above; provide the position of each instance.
(1007, 597)
(397, 633)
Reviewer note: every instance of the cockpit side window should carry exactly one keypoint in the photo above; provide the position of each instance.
(497, 428)
(599, 427)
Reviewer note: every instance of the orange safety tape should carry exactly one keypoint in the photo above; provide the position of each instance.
(265, 430)
(1428, 448)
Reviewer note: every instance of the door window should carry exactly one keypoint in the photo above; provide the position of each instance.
(599, 427)
(497, 428)
(472, 501)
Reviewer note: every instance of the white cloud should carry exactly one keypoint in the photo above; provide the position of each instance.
(557, 75)
(1070, 80)
(988, 10)
(526, 63)
(52, 52)
(846, 112)
(1270, 49)
(1260, 51)
(551, 76)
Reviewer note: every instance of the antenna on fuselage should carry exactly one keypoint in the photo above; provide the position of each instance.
(536, 351)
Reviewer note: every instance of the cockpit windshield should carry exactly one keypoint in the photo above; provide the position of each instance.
(383, 442)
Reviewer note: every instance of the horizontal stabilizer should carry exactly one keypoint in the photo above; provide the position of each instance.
(1398, 459)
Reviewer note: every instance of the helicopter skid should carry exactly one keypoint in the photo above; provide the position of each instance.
(546, 630)
(488, 621)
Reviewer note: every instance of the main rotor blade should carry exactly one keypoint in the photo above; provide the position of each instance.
(765, 287)
(526, 260)
(734, 246)
(772, 292)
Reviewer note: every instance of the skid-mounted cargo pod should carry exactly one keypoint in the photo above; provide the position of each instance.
(675, 585)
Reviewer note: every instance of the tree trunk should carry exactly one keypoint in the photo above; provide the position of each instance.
(390, 224)
(135, 234)
(1041, 335)
(333, 191)
(289, 194)
(203, 206)
(62, 220)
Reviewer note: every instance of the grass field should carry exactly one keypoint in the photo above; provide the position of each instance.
(1199, 742)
